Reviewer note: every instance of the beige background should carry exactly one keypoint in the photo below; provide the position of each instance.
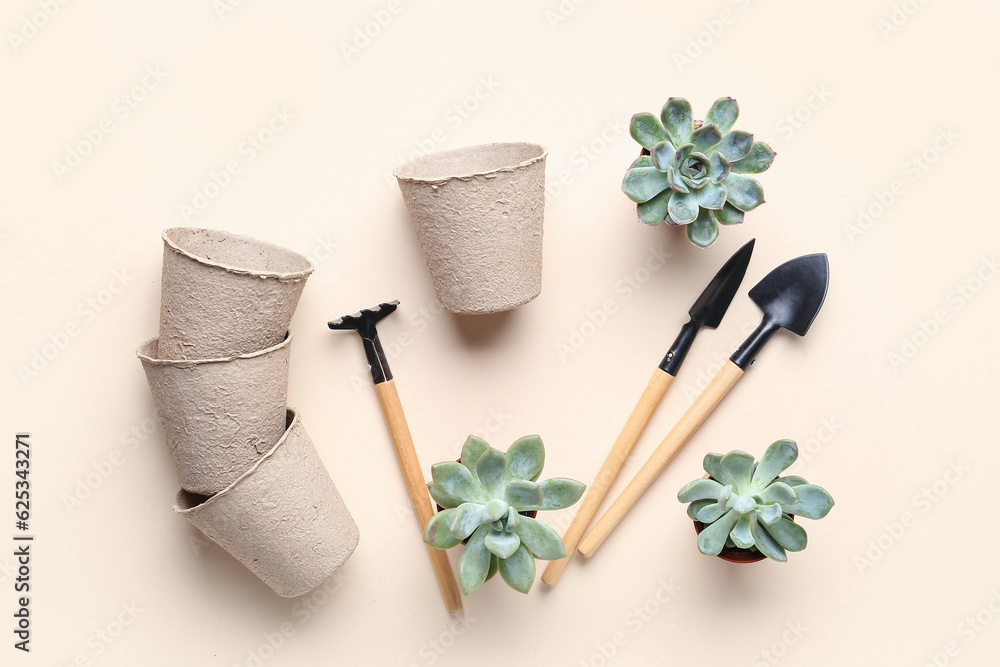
(880, 106)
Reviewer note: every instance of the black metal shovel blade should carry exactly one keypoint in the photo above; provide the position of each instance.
(792, 295)
(711, 306)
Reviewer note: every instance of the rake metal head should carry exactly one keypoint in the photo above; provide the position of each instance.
(364, 321)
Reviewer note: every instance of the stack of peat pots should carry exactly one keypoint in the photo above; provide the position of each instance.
(250, 477)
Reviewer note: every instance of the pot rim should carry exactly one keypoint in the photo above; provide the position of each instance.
(282, 276)
(146, 357)
(293, 422)
(398, 171)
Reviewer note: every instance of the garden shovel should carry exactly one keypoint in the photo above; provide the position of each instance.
(364, 323)
(790, 296)
(707, 311)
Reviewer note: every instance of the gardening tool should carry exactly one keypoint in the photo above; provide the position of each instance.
(790, 296)
(364, 323)
(707, 311)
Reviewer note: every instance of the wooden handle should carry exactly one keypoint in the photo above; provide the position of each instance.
(417, 488)
(620, 451)
(679, 434)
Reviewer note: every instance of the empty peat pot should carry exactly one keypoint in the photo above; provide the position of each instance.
(477, 214)
(283, 519)
(225, 294)
(219, 416)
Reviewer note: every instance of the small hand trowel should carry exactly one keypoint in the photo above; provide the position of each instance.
(707, 311)
(790, 296)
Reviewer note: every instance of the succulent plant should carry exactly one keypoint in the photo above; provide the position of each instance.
(745, 505)
(695, 173)
(485, 497)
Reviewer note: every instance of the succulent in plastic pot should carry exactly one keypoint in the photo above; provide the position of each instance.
(485, 498)
(696, 172)
(744, 505)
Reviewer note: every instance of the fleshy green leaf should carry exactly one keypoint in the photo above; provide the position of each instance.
(642, 161)
(525, 458)
(766, 544)
(697, 506)
(676, 180)
(759, 159)
(723, 113)
(471, 451)
(656, 209)
(740, 533)
(718, 168)
(643, 183)
(793, 480)
(519, 570)
(541, 541)
(739, 465)
(769, 513)
(735, 145)
(713, 538)
(712, 463)
(677, 120)
(813, 502)
(502, 544)
(495, 509)
(492, 472)
(712, 196)
(494, 567)
(465, 519)
(683, 208)
(744, 192)
(522, 493)
(559, 492)
(646, 129)
(729, 214)
(454, 484)
(699, 489)
(704, 231)
(711, 513)
(776, 459)
(778, 492)
(513, 519)
(437, 534)
(788, 534)
(474, 564)
(663, 155)
(705, 137)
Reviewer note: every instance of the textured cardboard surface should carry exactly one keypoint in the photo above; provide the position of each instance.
(224, 294)
(283, 519)
(477, 213)
(219, 416)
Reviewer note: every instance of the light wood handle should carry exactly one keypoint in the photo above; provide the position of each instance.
(620, 451)
(679, 434)
(415, 485)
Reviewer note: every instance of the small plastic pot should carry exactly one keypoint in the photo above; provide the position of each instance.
(225, 294)
(219, 416)
(477, 214)
(283, 519)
